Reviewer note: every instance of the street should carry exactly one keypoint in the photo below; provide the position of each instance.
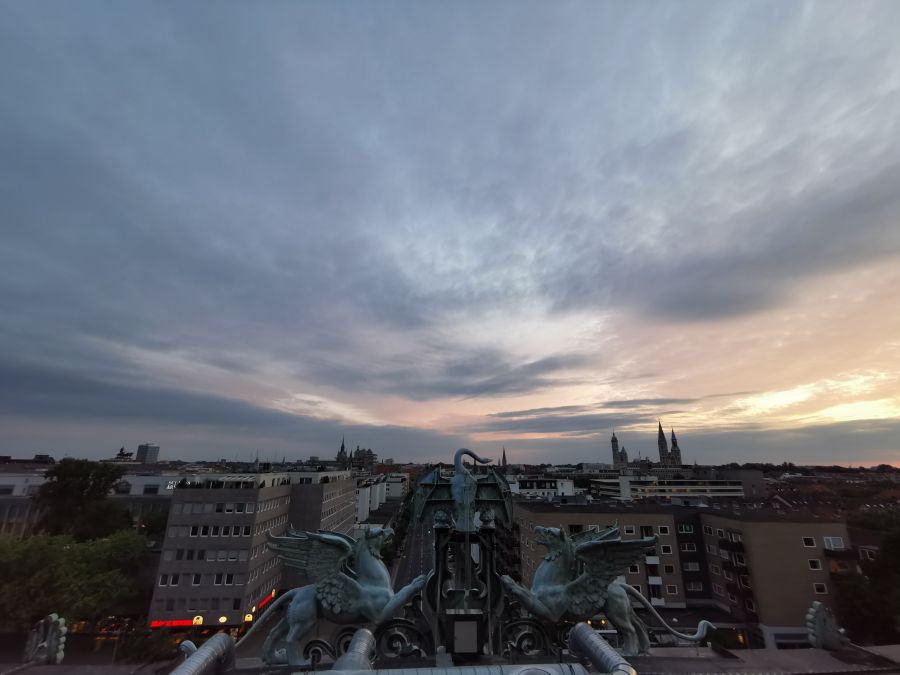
(416, 556)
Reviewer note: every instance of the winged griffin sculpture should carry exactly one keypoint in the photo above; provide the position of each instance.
(350, 585)
(578, 578)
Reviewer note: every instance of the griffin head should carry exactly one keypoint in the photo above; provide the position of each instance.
(554, 538)
(376, 537)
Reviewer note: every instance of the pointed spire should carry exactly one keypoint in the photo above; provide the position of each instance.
(503, 460)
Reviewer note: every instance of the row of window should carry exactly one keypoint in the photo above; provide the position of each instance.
(210, 554)
(671, 589)
(210, 531)
(209, 507)
(197, 604)
(200, 579)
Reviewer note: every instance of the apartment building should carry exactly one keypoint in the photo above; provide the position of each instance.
(542, 486)
(323, 500)
(766, 569)
(396, 485)
(761, 567)
(630, 487)
(215, 567)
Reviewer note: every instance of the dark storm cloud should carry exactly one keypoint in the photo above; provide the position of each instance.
(40, 394)
(445, 374)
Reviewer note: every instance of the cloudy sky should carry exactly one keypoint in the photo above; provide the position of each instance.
(231, 227)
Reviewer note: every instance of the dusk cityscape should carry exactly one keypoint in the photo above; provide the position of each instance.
(405, 335)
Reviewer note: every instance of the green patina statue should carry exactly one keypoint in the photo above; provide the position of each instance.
(579, 578)
(350, 585)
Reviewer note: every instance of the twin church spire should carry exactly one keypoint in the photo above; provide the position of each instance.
(668, 456)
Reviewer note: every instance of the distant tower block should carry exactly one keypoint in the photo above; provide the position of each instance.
(147, 453)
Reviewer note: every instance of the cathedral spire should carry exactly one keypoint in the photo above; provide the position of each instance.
(503, 460)
(664, 457)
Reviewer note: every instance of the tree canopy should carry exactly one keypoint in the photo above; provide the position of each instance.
(79, 580)
(73, 500)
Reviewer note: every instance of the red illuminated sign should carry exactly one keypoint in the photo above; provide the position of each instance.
(174, 623)
(265, 600)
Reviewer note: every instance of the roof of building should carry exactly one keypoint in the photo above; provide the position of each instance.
(748, 514)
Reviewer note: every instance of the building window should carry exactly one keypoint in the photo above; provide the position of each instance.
(195, 580)
(718, 589)
(163, 579)
(833, 543)
(815, 564)
(217, 580)
(728, 575)
(687, 546)
(246, 530)
(629, 529)
(204, 531)
(151, 489)
(671, 589)
(229, 579)
(750, 605)
(712, 549)
(194, 530)
(732, 597)
(663, 529)
(173, 580)
(868, 554)
(715, 569)
(739, 559)
(665, 549)
(820, 589)
(251, 507)
(229, 508)
(685, 528)
(707, 530)
(634, 569)
(220, 508)
(809, 542)
(636, 587)
(695, 586)
(691, 567)
(239, 508)
(226, 530)
(720, 533)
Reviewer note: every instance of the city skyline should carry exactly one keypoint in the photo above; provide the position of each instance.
(431, 227)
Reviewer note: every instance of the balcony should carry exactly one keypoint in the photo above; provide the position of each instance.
(731, 546)
(840, 554)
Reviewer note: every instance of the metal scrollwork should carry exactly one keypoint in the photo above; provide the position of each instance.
(526, 637)
(402, 637)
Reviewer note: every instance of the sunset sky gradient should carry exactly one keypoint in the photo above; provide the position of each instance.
(241, 227)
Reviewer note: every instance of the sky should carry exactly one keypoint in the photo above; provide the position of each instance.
(232, 228)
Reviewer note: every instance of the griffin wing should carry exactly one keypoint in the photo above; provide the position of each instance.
(325, 558)
(594, 534)
(604, 559)
(318, 554)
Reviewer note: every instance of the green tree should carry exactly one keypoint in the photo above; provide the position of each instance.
(79, 580)
(74, 500)
(868, 605)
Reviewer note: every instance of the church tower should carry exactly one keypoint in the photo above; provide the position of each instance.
(664, 457)
(619, 457)
(503, 461)
(676, 451)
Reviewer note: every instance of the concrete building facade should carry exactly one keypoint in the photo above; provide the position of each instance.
(762, 568)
